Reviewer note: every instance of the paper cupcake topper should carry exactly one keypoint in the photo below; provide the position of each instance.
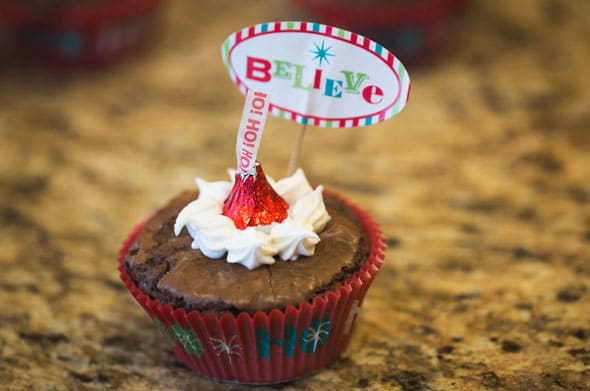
(317, 74)
(250, 131)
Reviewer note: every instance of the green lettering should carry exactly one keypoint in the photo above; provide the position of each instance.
(298, 82)
(353, 85)
(282, 69)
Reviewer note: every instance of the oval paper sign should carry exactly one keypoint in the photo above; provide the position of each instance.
(317, 74)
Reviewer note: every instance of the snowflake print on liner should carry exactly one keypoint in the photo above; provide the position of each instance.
(355, 309)
(316, 335)
(230, 348)
(187, 339)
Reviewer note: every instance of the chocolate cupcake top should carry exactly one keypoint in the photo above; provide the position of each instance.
(165, 267)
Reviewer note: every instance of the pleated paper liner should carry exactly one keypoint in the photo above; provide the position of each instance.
(266, 347)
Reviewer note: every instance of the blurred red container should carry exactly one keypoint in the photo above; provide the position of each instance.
(414, 30)
(78, 33)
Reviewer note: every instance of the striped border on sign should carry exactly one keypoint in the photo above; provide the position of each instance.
(333, 32)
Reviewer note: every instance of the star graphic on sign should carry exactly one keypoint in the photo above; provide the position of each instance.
(322, 53)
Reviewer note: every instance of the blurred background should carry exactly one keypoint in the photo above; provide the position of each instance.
(481, 185)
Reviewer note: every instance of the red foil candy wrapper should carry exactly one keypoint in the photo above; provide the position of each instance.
(252, 201)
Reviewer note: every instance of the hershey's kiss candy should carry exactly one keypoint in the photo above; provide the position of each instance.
(252, 201)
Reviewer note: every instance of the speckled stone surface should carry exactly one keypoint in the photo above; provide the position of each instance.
(482, 186)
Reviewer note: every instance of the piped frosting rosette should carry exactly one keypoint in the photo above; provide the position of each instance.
(216, 235)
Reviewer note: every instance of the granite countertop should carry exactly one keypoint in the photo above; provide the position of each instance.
(481, 185)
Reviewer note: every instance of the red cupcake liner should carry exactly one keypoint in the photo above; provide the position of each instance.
(79, 34)
(266, 347)
(413, 30)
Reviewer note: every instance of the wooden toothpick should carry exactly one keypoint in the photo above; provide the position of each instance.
(296, 152)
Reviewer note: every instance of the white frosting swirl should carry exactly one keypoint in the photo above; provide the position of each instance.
(215, 234)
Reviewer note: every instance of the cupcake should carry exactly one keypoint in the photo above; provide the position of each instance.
(416, 30)
(68, 32)
(258, 281)
(252, 280)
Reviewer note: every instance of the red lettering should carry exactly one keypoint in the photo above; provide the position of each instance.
(373, 94)
(253, 124)
(250, 136)
(244, 163)
(245, 159)
(317, 79)
(258, 103)
(258, 69)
